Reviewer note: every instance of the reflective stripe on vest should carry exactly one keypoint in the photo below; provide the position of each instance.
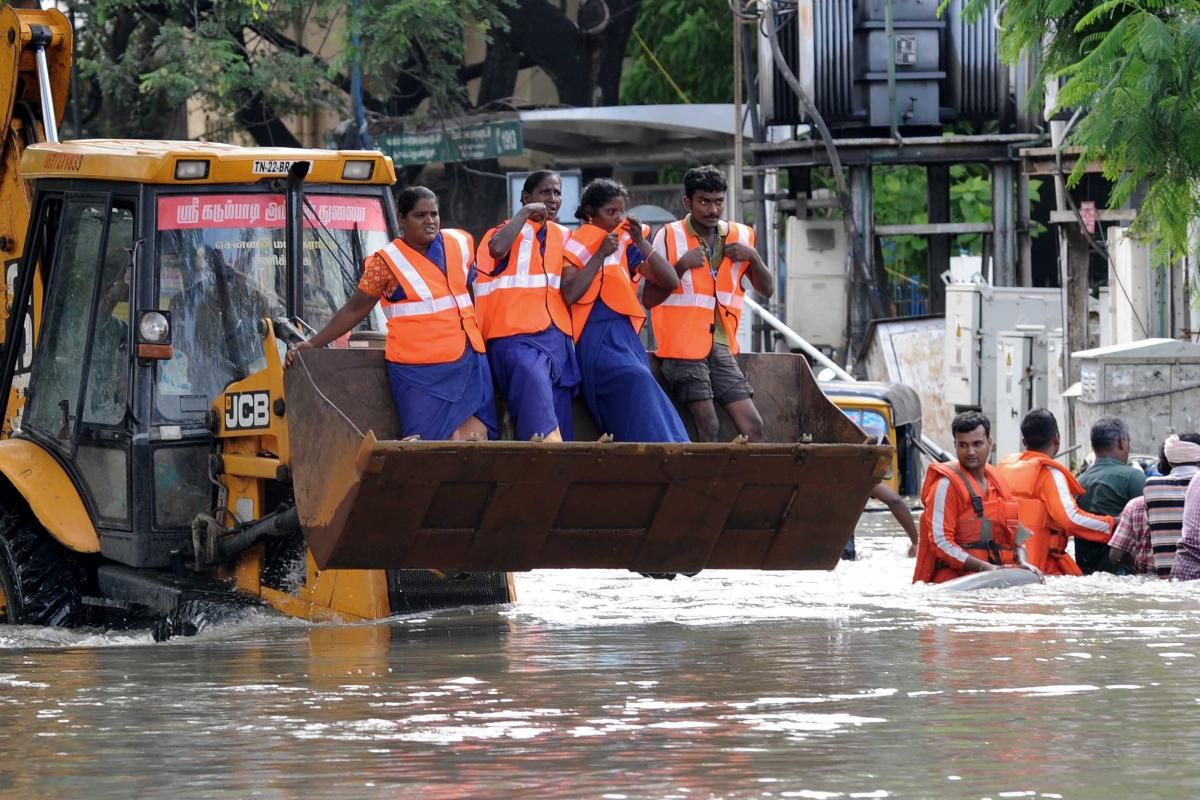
(682, 328)
(393, 310)
(537, 281)
(427, 303)
(525, 297)
(579, 251)
(611, 283)
(429, 326)
(736, 299)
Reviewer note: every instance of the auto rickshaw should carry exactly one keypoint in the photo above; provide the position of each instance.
(891, 413)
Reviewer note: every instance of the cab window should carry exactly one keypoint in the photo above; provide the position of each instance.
(222, 266)
(873, 423)
(57, 380)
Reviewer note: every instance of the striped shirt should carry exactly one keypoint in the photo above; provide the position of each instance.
(1164, 515)
(1187, 554)
(1133, 537)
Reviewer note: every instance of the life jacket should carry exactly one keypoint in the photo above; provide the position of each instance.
(683, 323)
(435, 321)
(985, 529)
(612, 283)
(1021, 475)
(1046, 548)
(525, 296)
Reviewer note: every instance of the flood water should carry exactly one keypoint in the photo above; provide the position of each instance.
(605, 685)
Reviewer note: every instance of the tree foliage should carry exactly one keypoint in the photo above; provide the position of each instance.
(899, 195)
(1134, 67)
(693, 41)
(247, 60)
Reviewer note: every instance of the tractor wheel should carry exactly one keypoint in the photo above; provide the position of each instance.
(41, 581)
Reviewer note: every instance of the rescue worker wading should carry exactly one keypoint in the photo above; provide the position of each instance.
(970, 519)
(1045, 491)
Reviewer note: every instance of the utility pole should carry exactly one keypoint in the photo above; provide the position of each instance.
(735, 200)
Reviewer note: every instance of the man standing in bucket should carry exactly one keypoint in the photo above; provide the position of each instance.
(1045, 491)
(970, 519)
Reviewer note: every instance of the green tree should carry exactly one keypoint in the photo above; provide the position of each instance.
(899, 195)
(692, 40)
(244, 59)
(1134, 65)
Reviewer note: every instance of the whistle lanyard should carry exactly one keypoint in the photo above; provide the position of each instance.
(710, 253)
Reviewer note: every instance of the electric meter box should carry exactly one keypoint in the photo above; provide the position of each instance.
(1028, 376)
(1152, 384)
(975, 316)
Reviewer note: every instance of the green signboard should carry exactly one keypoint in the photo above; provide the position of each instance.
(454, 143)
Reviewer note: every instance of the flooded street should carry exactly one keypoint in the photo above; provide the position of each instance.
(607, 685)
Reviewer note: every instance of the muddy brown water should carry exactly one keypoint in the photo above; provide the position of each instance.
(850, 684)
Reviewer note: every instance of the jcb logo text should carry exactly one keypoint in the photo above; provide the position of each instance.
(245, 410)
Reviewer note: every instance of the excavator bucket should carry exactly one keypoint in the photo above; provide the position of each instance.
(369, 501)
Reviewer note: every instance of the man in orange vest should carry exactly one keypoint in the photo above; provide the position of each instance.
(1045, 491)
(695, 326)
(970, 518)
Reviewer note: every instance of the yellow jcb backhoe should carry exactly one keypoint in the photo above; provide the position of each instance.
(158, 462)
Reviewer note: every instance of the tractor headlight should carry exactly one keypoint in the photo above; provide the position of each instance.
(191, 170)
(154, 327)
(358, 170)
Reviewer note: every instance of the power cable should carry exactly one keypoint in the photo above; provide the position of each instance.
(835, 161)
(654, 60)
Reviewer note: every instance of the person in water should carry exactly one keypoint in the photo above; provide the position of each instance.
(522, 315)
(899, 510)
(1151, 542)
(1046, 492)
(1186, 566)
(440, 379)
(695, 326)
(1108, 485)
(606, 257)
(970, 520)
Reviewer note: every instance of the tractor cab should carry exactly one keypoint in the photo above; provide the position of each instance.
(158, 261)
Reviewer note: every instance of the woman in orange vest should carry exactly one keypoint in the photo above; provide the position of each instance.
(970, 518)
(522, 315)
(1045, 492)
(440, 379)
(606, 257)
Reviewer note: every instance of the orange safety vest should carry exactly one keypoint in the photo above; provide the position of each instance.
(985, 529)
(683, 323)
(1046, 549)
(612, 283)
(436, 320)
(525, 297)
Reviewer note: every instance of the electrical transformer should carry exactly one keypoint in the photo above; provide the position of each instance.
(946, 68)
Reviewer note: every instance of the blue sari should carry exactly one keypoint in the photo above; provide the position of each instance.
(434, 400)
(619, 388)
